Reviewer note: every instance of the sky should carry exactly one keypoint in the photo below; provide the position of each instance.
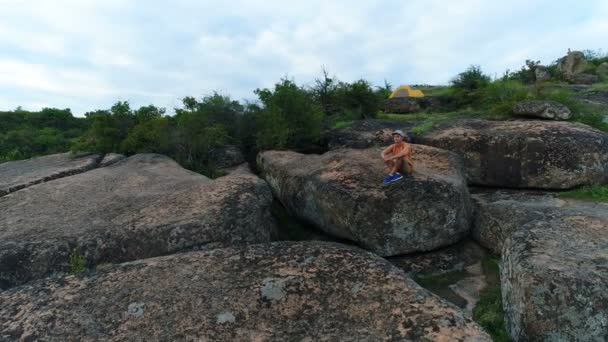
(86, 55)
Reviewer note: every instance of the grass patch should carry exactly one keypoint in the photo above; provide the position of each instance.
(77, 262)
(596, 193)
(343, 124)
(597, 87)
(489, 312)
(436, 90)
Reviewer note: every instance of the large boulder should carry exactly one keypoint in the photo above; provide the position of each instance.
(542, 109)
(525, 154)
(499, 213)
(16, 175)
(572, 64)
(365, 133)
(583, 79)
(541, 74)
(267, 292)
(341, 192)
(555, 280)
(143, 206)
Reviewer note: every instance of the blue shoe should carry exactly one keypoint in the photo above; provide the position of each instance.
(388, 179)
(397, 176)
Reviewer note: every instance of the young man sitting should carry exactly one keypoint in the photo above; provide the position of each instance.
(397, 157)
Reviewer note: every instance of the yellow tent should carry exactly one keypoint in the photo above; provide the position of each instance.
(406, 91)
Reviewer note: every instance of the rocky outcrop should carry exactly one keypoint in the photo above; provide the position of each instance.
(599, 98)
(143, 206)
(341, 192)
(541, 74)
(555, 280)
(267, 292)
(572, 64)
(542, 109)
(525, 154)
(365, 133)
(404, 105)
(16, 175)
(583, 79)
(500, 213)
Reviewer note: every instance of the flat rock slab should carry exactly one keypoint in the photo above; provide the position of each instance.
(268, 292)
(341, 192)
(143, 206)
(525, 154)
(500, 213)
(555, 280)
(16, 175)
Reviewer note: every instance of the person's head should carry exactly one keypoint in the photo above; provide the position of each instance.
(398, 136)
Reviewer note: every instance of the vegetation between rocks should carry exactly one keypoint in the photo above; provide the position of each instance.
(489, 310)
(597, 193)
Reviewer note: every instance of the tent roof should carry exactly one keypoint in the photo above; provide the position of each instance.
(406, 91)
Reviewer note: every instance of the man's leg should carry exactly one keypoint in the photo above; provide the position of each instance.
(391, 165)
(397, 163)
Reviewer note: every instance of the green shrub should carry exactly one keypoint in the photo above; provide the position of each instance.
(360, 98)
(77, 262)
(289, 117)
(468, 86)
(489, 310)
(500, 96)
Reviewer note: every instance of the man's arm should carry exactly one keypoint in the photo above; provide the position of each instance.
(407, 150)
(385, 152)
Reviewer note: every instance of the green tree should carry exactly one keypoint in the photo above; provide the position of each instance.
(289, 117)
(469, 85)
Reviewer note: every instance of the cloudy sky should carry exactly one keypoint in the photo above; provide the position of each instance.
(86, 55)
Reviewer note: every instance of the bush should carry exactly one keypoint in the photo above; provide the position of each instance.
(500, 96)
(289, 117)
(468, 86)
(359, 98)
(77, 263)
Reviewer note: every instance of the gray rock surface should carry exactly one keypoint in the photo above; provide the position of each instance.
(583, 79)
(365, 133)
(525, 154)
(599, 98)
(110, 158)
(500, 213)
(542, 109)
(555, 279)
(143, 206)
(267, 292)
(341, 192)
(449, 259)
(16, 175)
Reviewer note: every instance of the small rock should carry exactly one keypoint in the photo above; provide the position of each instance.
(225, 317)
(136, 309)
(542, 109)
